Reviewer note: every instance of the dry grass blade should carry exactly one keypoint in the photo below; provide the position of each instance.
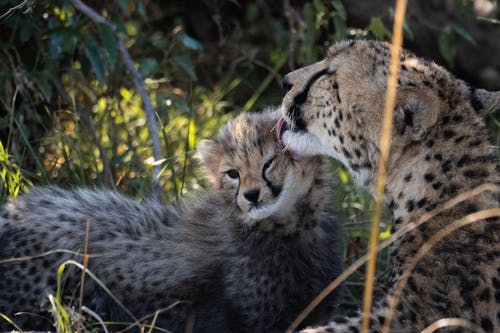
(153, 322)
(44, 254)
(10, 321)
(452, 322)
(96, 317)
(157, 312)
(103, 286)
(82, 280)
(397, 235)
(424, 249)
(385, 143)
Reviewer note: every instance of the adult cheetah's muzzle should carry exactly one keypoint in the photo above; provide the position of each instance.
(281, 128)
(295, 116)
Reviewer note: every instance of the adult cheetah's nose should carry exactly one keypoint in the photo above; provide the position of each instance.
(252, 195)
(287, 84)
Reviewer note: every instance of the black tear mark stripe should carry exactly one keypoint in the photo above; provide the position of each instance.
(275, 189)
(300, 99)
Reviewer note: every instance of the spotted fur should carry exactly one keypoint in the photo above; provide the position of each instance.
(439, 149)
(251, 261)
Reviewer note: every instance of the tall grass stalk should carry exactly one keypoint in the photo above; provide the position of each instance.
(385, 144)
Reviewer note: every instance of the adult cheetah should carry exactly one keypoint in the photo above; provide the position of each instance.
(439, 149)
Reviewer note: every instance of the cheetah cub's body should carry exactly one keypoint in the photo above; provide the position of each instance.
(251, 252)
(439, 149)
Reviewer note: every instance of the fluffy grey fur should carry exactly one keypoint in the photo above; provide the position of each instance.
(236, 273)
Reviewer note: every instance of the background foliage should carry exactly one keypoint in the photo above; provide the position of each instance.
(69, 114)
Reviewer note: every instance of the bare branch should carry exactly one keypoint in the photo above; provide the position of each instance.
(138, 83)
(106, 170)
(13, 9)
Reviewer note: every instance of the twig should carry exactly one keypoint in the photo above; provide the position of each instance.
(13, 9)
(87, 121)
(385, 144)
(138, 83)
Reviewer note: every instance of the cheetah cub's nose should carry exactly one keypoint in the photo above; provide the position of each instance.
(252, 195)
(287, 85)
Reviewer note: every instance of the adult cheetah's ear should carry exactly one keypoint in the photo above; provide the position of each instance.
(209, 152)
(485, 102)
(417, 110)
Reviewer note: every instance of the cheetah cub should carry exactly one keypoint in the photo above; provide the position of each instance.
(439, 149)
(248, 255)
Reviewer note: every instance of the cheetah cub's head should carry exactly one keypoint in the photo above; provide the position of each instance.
(247, 164)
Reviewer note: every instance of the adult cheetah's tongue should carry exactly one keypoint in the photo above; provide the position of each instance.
(281, 128)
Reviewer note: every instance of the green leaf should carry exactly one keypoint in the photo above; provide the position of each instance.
(189, 42)
(339, 17)
(378, 28)
(124, 6)
(140, 8)
(45, 87)
(447, 45)
(185, 64)
(110, 44)
(147, 67)
(55, 43)
(339, 9)
(92, 54)
(407, 30)
(310, 32)
(118, 22)
(26, 32)
(465, 35)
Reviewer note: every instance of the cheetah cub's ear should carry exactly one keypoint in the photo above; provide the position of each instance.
(485, 102)
(209, 152)
(417, 110)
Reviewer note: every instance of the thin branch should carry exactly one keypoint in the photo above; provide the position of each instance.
(87, 121)
(138, 83)
(13, 9)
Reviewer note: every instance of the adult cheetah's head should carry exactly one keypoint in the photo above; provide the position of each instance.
(247, 164)
(334, 107)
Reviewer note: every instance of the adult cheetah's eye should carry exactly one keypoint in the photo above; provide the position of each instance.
(233, 173)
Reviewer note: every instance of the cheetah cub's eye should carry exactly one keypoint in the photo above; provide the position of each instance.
(268, 164)
(233, 174)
